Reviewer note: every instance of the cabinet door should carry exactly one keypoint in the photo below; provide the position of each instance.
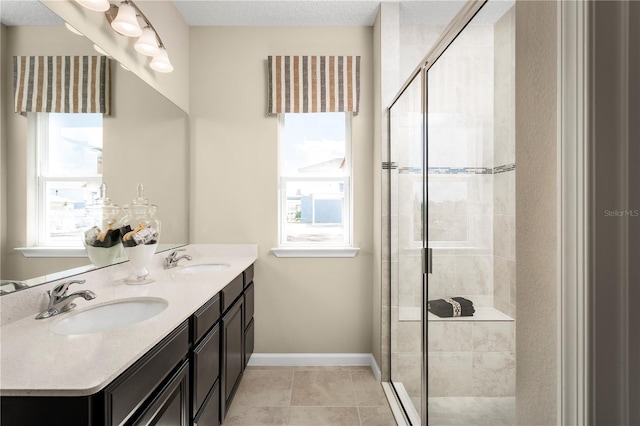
(209, 415)
(248, 343)
(232, 353)
(170, 406)
(249, 303)
(206, 365)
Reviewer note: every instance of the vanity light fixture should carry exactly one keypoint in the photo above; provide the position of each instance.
(95, 5)
(124, 19)
(147, 43)
(160, 62)
(126, 22)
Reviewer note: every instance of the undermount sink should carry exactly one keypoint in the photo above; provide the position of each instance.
(109, 316)
(201, 268)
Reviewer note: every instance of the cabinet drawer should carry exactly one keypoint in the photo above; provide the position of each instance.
(231, 292)
(248, 276)
(210, 413)
(205, 317)
(131, 389)
(248, 304)
(206, 367)
(169, 406)
(248, 342)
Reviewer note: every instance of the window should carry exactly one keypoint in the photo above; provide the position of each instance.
(68, 174)
(315, 180)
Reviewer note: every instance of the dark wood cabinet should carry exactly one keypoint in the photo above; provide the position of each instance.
(126, 394)
(231, 292)
(205, 317)
(189, 378)
(232, 326)
(138, 393)
(209, 415)
(248, 342)
(206, 367)
(170, 406)
(248, 321)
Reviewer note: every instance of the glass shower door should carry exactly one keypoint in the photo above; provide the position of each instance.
(406, 121)
(471, 222)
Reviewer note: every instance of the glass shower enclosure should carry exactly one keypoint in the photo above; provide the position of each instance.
(452, 226)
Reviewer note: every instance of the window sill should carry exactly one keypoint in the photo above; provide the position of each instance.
(52, 251)
(315, 252)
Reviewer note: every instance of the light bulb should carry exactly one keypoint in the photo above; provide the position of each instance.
(126, 22)
(147, 43)
(160, 61)
(95, 5)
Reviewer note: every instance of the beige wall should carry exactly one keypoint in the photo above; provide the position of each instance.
(170, 26)
(536, 213)
(145, 141)
(302, 305)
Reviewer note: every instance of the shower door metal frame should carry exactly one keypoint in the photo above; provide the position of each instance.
(451, 32)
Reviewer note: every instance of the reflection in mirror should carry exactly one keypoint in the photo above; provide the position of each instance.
(145, 140)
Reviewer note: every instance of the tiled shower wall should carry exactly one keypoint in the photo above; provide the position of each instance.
(460, 141)
(504, 195)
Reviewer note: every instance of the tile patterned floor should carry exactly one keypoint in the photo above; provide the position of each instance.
(307, 396)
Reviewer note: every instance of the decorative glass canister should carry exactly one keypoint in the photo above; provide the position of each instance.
(140, 236)
(102, 239)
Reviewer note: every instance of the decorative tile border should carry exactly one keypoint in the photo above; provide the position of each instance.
(450, 170)
(389, 165)
(460, 170)
(504, 168)
(410, 170)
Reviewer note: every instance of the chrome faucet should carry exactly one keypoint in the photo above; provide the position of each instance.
(60, 301)
(171, 261)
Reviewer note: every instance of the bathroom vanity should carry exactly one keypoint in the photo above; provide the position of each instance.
(187, 376)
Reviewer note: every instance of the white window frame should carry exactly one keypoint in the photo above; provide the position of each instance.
(42, 177)
(316, 249)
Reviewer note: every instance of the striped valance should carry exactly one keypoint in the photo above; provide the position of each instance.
(75, 84)
(314, 84)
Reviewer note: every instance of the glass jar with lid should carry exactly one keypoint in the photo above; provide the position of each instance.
(140, 236)
(102, 239)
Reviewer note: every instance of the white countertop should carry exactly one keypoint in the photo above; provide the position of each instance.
(35, 361)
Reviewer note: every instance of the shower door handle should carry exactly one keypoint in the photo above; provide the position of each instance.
(427, 260)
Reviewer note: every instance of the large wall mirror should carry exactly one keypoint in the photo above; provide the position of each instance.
(145, 140)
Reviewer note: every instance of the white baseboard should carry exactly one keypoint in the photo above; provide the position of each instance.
(308, 360)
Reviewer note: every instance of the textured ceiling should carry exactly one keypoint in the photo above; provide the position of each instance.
(277, 12)
(27, 12)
